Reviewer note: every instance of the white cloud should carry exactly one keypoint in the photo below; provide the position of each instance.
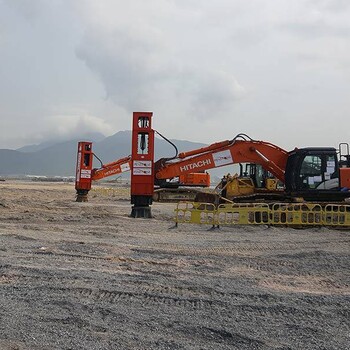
(208, 70)
(65, 127)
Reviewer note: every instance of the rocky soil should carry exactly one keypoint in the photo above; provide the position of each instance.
(87, 276)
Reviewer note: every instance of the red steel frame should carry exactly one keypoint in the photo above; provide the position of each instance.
(142, 155)
(84, 168)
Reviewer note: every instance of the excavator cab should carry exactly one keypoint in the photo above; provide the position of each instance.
(252, 179)
(262, 178)
(313, 173)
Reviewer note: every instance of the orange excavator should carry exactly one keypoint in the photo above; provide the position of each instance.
(310, 174)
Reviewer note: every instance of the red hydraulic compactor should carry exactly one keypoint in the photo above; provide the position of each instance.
(142, 167)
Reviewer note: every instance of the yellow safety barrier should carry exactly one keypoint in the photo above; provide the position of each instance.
(296, 214)
(195, 213)
(336, 215)
(242, 214)
(293, 214)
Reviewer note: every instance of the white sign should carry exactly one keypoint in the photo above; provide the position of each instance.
(125, 167)
(142, 171)
(85, 174)
(222, 158)
(142, 164)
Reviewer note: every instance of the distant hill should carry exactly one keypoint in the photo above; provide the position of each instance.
(58, 159)
(95, 137)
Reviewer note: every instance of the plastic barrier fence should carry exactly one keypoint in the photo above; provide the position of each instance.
(195, 213)
(336, 215)
(242, 214)
(297, 214)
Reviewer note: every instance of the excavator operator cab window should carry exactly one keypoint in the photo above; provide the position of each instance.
(319, 172)
(257, 173)
(311, 171)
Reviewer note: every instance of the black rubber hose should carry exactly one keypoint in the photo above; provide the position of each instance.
(176, 150)
(245, 137)
(98, 159)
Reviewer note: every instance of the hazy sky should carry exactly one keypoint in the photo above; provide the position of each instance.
(276, 70)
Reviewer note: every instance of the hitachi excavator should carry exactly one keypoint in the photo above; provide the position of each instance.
(311, 174)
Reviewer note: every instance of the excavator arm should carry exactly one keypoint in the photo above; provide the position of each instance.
(241, 149)
(120, 166)
(85, 173)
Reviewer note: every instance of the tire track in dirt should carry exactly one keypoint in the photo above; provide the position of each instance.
(234, 250)
(178, 297)
(292, 279)
(42, 276)
(309, 284)
(38, 275)
(108, 258)
(140, 297)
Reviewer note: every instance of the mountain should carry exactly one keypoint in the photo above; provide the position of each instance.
(59, 159)
(51, 161)
(91, 136)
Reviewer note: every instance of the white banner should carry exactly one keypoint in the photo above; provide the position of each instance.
(125, 167)
(142, 171)
(85, 174)
(222, 158)
(142, 164)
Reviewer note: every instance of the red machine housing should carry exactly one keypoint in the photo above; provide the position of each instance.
(344, 177)
(195, 179)
(142, 169)
(84, 168)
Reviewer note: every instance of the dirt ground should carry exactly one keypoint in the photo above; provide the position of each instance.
(87, 276)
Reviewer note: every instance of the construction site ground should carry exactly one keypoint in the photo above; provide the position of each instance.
(87, 276)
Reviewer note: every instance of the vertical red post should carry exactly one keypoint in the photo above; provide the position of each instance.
(142, 170)
(83, 171)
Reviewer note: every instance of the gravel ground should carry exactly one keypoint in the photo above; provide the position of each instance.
(86, 276)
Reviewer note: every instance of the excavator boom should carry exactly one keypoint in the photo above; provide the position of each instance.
(271, 157)
(110, 169)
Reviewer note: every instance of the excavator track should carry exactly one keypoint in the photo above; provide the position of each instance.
(263, 197)
(214, 198)
(173, 195)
